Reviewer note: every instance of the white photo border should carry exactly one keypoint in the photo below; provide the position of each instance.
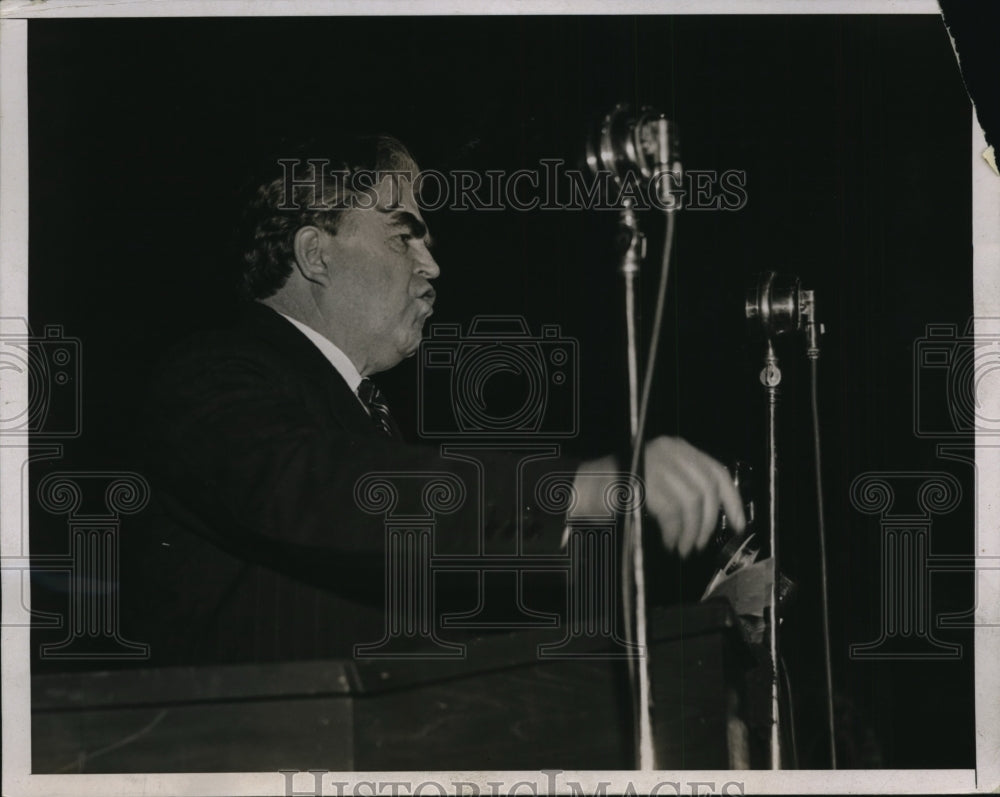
(14, 633)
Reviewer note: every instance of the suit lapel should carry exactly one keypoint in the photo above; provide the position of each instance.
(307, 361)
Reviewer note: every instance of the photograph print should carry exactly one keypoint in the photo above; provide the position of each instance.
(338, 334)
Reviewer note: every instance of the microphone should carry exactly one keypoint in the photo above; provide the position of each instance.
(778, 304)
(642, 147)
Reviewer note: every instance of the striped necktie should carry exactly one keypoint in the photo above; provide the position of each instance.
(373, 399)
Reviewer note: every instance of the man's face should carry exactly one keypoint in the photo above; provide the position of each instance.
(380, 293)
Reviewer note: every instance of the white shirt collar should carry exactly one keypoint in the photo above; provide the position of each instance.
(332, 352)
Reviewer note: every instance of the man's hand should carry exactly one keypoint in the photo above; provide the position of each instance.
(685, 489)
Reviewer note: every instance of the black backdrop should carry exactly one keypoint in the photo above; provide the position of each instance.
(853, 133)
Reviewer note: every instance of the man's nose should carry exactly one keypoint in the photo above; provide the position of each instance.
(427, 266)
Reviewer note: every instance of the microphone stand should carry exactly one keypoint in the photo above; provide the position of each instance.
(770, 378)
(633, 245)
(813, 331)
(780, 305)
(627, 147)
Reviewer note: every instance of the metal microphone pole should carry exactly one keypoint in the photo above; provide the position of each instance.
(633, 245)
(773, 303)
(770, 377)
(642, 149)
(780, 305)
(813, 330)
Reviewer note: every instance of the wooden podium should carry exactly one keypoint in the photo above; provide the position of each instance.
(512, 701)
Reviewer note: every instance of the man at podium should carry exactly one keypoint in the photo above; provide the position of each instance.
(260, 435)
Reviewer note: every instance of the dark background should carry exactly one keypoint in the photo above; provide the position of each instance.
(853, 132)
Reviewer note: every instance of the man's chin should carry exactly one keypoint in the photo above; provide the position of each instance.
(410, 346)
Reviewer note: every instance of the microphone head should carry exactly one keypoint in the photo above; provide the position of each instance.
(640, 146)
(773, 303)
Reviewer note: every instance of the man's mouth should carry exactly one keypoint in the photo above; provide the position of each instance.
(427, 300)
(423, 312)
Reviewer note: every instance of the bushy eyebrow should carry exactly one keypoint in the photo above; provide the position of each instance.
(416, 228)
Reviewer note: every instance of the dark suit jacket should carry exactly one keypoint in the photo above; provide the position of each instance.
(256, 548)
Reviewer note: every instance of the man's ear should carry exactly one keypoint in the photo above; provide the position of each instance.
(308, 248)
